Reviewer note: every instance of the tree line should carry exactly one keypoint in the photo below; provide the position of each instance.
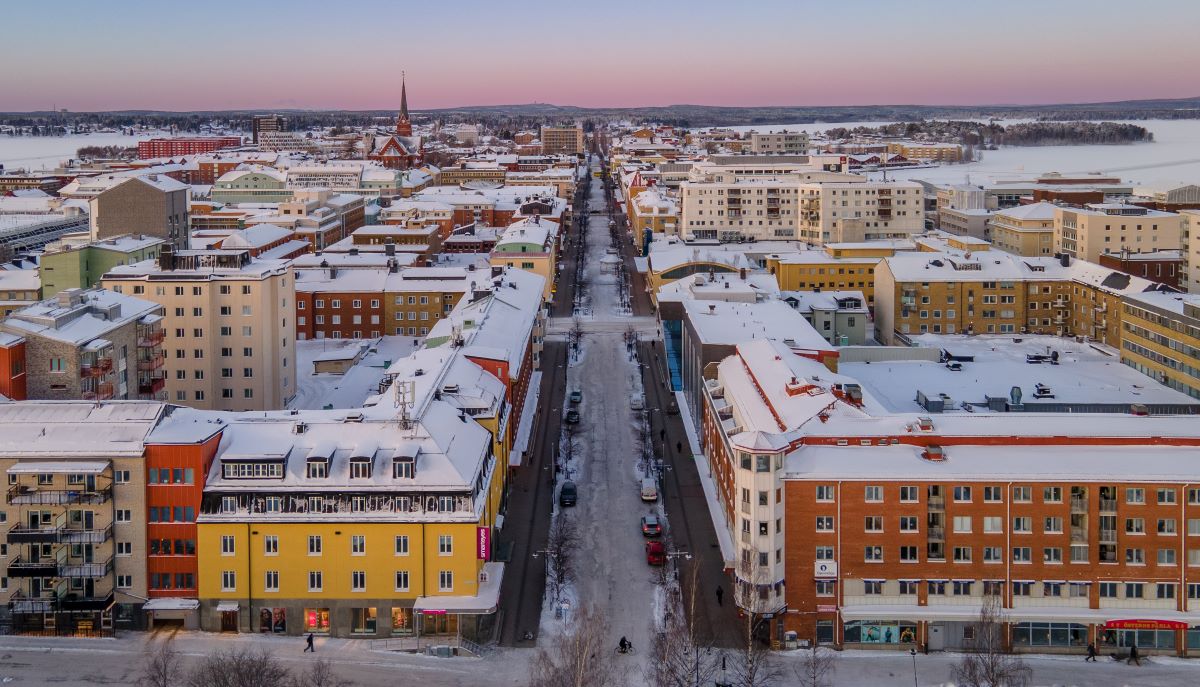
(988, 134)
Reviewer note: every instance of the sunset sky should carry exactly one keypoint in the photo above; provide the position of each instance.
(213, 55)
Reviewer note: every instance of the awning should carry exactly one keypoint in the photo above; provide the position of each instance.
(171, 604)
(227, 607)
(481, 604)
(59, 467)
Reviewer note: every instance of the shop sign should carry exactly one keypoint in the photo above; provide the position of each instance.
(483, 543)
(1139, 624)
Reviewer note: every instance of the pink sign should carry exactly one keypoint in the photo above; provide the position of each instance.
(483, 542)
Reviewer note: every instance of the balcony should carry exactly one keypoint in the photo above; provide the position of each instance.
(22, 534)
(937, 502)
(150, 364)
(150, 387)
(101, 392)
(1079, 504)
(97, 367)
(936, 533)
(1108, 505)
(24, 495)
(75, 602)
(45, 567)
(86, 570)
(151, 339)
(1108, 536)
(27, 604)
(1079, 535)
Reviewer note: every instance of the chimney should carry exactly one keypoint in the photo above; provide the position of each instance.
(742, 273)
(389, 248)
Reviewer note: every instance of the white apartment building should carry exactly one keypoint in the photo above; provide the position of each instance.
(779, 143)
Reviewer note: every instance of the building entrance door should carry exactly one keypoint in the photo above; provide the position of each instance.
(937, 637)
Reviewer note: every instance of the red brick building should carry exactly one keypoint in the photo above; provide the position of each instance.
(12, 367)
(174, 147)
(893, 530)
(1161, 266)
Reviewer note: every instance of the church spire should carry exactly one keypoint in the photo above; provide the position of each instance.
(403, 126)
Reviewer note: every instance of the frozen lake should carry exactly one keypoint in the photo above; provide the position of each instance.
(46, 152)
(1173, 158)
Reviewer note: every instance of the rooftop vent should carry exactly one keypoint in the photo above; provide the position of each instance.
(933, 453)
(354, 417)
(925, 424)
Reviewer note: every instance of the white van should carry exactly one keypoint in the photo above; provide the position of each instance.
(637, 401)
(649, 490)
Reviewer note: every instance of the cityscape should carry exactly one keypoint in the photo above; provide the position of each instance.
(596, 365)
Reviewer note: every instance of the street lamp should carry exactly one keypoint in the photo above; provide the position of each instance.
(913, 653)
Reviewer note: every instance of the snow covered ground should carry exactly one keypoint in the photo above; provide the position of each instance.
(612, 571)
(315, 391)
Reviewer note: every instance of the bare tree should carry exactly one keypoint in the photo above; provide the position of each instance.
(816, 668)
(986, 664)
(162, 667)
(561, 547)
(753, 664)
(320, 674)
(581, 658)
(238, 668)
(682, 657)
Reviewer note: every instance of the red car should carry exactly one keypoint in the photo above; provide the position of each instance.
(656, 553)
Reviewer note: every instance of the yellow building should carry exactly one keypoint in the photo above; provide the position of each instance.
(653, 210)
(369, 523)
(1098, 228)
(1026, 230)
(530, 244)
(1161, 338)
(837, 267)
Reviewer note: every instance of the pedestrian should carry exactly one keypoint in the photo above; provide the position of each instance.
(679, 447)
(1091, 653)
(662, 434)
(720, 596)
(309, 644)
(1133, 656)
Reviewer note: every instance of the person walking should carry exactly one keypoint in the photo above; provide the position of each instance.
(1133, 656)
(720, 596)
(308, 644)
(679, 447)
(1091, 653)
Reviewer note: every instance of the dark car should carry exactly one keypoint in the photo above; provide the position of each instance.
(568, 494)
(651, 526)
(572, 417)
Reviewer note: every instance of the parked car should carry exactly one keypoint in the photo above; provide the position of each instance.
(649, 490)
(656, 553)
(637, 401)
(576, 396)
(651, 526)
(954, 366)
(572, 417)
(568, 494)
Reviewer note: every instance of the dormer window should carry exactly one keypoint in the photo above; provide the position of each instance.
(318, 469)
(360, 469)
(403, 468)
(228, 504)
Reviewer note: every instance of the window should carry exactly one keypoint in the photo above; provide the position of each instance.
(1135, 556)
(873, 523)
(937, 588)
(1134, 590)
(1166, 526)
(825, 587)
(1166, 496)
(360, 469)
(1166, 556)
(445, 545)
(228, 581)
(908, 587)
(962, 523)
(271, 581)
(962, 554)
(315, 582)
(124, 515)
(123, 582)
(1022, 554)
(962, 494)
(1022, 525)
(314, 545)
(1165, 590)
(1135, 496)
(402, 545)
(873, 493)
(1052, 554)
(1052, 588)
(962, 587)
(993, 494)
(993, 554)
(1052, 495)
(824, 523)
(358, 581)
(1022, 495)
(1108, 590)
(402, 580)
(908, 554)
(227, 544)
(1052, 526)
(445, 581)
(908, 523)
(1022, 588)
(873, 554)
(124, 548)
(825, 492)
(993, 524)
(358, 545)
(908, 494)
(318, 469)
(270, 545)
(1135, 526)
(872, 587)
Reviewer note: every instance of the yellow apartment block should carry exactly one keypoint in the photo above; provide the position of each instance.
(1161, 338)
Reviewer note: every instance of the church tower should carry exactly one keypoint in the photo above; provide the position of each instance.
(403, 126)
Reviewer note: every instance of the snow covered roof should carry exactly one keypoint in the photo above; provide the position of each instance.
(98, 312)
(255, 236)
(1042, 211)
(69, 429)
(722, 322)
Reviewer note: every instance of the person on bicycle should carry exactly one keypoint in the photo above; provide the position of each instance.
(624, 646)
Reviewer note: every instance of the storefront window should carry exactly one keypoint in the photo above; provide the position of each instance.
(824, 631)
(1049, 634)
(1193, 637)
(316, 620)
(402, 621)
(272, 620)
(363, 622)
(880, 631)
(1144, 639)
